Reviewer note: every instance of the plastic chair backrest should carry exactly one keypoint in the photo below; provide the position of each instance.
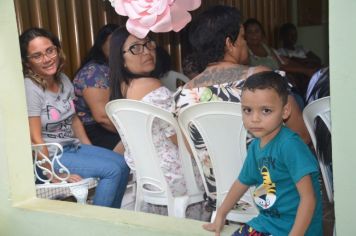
(220, 125)
(171, 79)
(320, 108)
(135, 119)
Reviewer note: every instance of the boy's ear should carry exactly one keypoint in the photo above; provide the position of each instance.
(287, 109)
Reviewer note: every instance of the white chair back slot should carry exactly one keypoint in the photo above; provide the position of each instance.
(320, 108)
(171, 78)
(220, 125)
(135, 119)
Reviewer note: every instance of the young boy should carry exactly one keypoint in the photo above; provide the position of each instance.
(278, 163)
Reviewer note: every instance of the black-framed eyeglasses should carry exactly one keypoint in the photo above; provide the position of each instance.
(50, 52)
(138, 48)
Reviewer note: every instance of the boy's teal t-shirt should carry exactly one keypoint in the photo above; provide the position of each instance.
(275, 169)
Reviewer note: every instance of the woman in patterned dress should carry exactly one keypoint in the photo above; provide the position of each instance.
(221, 61)
(91, 87)
(132, 65)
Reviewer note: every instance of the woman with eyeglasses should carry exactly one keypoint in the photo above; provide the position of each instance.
(52, 119)
(91, 87)
(133, 76)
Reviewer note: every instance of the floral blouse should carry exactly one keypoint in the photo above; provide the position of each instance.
(229, 91)
(166, 149)
(92, 75)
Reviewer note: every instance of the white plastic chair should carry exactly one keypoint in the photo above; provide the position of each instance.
(134, 119)
(170, 80)
(320, 108)
(57, 190)
(220, 125)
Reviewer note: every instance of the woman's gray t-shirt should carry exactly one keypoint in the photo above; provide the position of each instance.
(56, 111)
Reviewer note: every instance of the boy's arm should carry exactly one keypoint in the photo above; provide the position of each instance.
(235, 193)
(306, 206)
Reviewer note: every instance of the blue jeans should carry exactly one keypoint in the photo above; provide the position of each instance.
(108, 166)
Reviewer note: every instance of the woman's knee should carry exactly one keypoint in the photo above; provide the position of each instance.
(118, 169)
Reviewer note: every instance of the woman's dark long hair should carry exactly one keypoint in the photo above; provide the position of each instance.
(96, 53)
(25, 39)
(163, 62)
(118, 72)
(208, 32)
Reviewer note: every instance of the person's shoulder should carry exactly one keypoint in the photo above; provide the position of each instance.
(221, 73)
(254, 142)
(282, 52)
(140, 87)
(266, 47)
(65, 79)
(257, 69)
(93, 67)
(287, 132)
(32, 85)
(28, 81)
(66, 82)
(288, 137)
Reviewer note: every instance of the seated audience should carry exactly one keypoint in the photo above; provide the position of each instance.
(259, 53)
(133, 76)
(91, 87)
(219, 61)
(288, 36)
(52, 119)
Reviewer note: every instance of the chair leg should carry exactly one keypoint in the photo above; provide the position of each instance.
(80, 193)
(139, 200)
(213, 215)
(180, 205)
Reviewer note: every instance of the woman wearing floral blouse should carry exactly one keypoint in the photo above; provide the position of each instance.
(91, 86)
(221, 75)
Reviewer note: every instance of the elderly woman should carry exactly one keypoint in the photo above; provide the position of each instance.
(220, 61)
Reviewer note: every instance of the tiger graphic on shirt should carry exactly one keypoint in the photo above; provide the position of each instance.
(265, 194)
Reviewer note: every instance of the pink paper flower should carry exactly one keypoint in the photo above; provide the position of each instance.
(155, 15)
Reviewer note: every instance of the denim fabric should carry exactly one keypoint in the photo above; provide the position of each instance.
(108, 166)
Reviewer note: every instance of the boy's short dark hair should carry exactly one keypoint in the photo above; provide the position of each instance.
(268, 80)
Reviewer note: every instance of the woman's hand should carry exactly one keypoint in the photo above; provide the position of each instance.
(72, 178)
(216, 226)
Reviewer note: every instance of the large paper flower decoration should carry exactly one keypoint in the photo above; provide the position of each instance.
(155, 15)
